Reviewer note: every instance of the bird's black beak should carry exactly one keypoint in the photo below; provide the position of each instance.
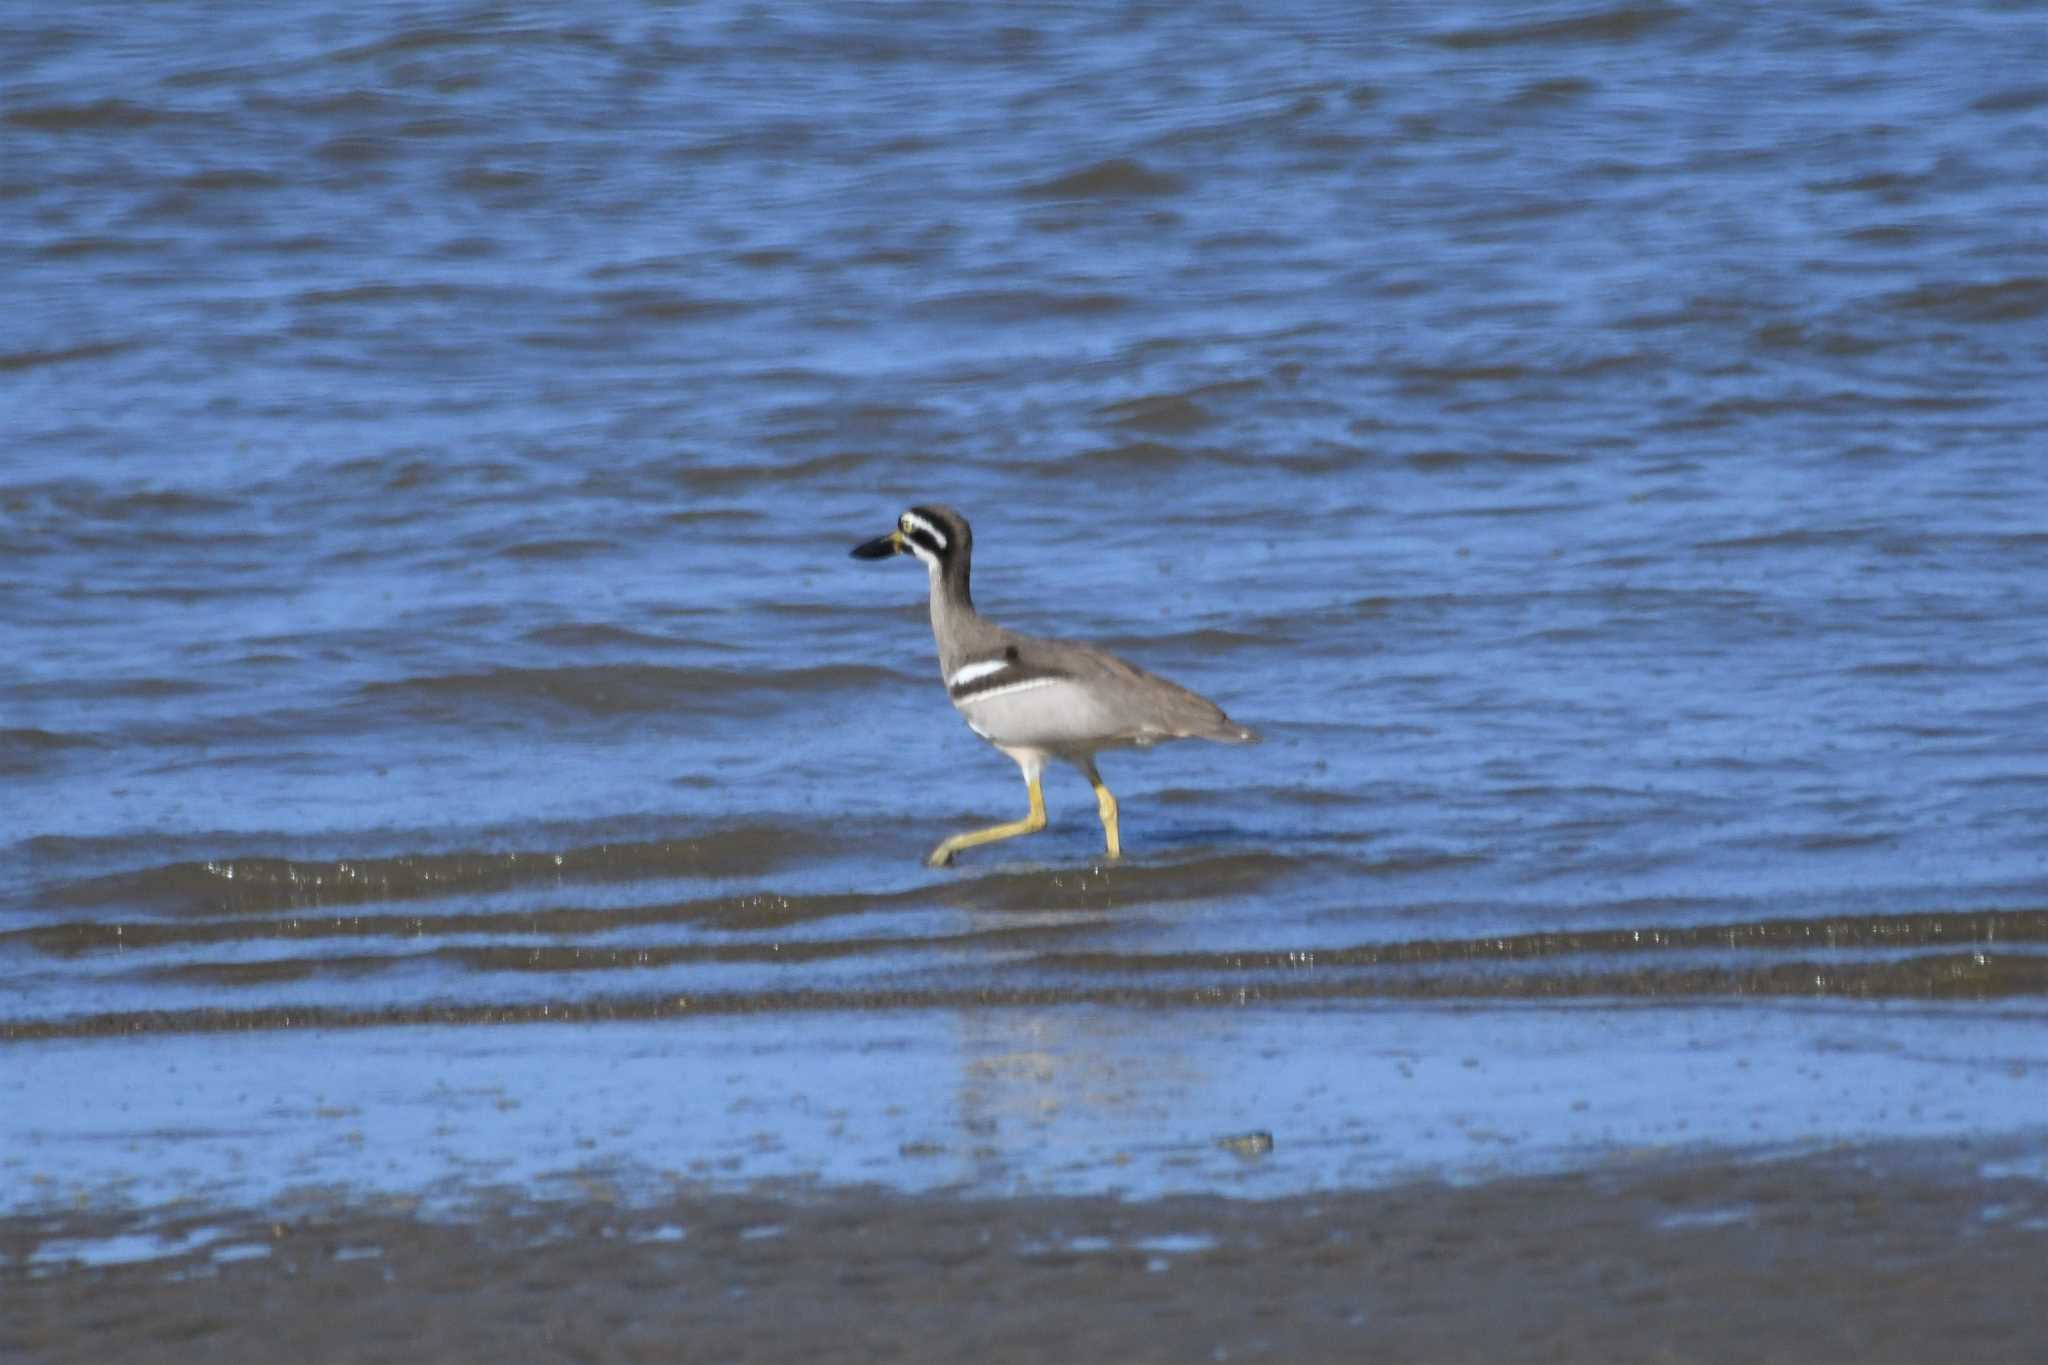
(881, 547)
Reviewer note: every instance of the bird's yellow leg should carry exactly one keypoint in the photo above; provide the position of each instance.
(1105, 806)
(1030, 824)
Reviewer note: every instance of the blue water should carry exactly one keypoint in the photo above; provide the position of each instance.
(1598, 447)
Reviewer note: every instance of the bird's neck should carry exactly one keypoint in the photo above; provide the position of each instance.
(952, 603)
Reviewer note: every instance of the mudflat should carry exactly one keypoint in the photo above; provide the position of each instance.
(1912, 1252)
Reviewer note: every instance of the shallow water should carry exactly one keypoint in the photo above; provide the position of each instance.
(1599, 452)
(987, 1099)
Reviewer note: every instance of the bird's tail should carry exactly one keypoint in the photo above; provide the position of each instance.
(1228, 731)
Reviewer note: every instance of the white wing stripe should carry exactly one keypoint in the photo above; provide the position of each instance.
(967, 673)
(992, 693)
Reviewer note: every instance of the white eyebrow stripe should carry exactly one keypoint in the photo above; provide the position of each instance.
(1007, 689)
(921, 524)
(967, 673)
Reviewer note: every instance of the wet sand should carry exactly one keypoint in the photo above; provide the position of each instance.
(1896, 1253)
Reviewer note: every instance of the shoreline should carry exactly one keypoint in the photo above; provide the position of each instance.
(1888, 1252)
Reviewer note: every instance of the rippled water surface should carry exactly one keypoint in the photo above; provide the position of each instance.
(1600, 448)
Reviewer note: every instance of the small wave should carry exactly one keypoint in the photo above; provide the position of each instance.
(63, 355)
(1107, 887)
(768, 258)
(357, 149)
(1955, 976)
(42, 741)
(29, 750)
(470, 247)
(256, 887)
(187, 594)
(1912, 668)
(1166, 413)
(2015, 300)
(622, 689)
(294, 244)
(1383, 606)
(1121, 460)
(600, 637)
(713, 478)
(1555, 91)
(256, 884)
(1839, 842)
(1793, 538)
(1887, 234)
(1622, 25)
(231, 178)
(1118, 178)
(1722, 411)
(1904, 931)
(108, 115)
(667, 305)
(93, 244)
(549, 959)
(2019, 99)
(431, 38)
(422, 291)
(1017, 305)
(1997, 781)
(1433, 461)
(1614, 362)
(1507, 509)
(275, 971)
(1129, 455)
(160, 503)
(755, 911)
(1895, 186)
(483, 180)
(1314, 798)
(566, 547)
(106, 689)
(1200, 641)
(1819, 341)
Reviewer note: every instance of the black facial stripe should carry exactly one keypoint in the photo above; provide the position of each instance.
(921, 538)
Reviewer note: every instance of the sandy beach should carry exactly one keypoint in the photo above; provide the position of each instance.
(1904, 1253)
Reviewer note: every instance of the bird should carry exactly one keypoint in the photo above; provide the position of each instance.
(1037, 699)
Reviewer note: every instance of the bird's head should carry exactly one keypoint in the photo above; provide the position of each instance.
(936, 535)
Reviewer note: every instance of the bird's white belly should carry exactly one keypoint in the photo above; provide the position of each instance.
(1049, 713)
